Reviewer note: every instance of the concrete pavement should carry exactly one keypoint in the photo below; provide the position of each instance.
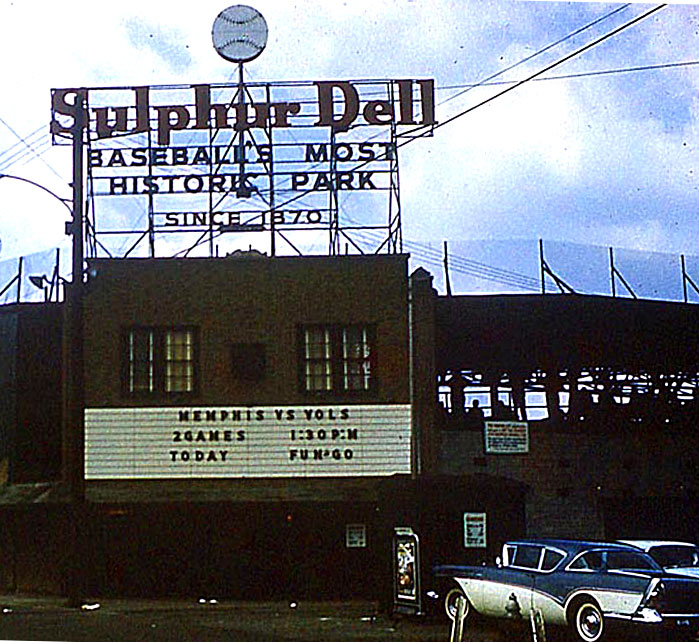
(29, 617)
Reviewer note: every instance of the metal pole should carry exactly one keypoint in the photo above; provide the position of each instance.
(541, 266)
(611, 271)
(74, 389)
(334, 214)
(446, 269)
(270, 134)
(55, 275)
(242, 115)
(19, 279)
(684, 277)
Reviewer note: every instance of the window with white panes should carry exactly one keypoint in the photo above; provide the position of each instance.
(337, 358)
(159, 360)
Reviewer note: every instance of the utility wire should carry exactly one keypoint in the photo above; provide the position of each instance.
(21, 145)
(582, 74)
(519, 83)
(13, 155)
(477, 268)
(31, 148)
(461, 264)
(22, 157)
(541, 51)
(528, 58)
(430, 130)
(536, 74)
(19, 155)
(467, 87)
(533, 76)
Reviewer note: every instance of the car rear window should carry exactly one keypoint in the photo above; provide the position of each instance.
(628, 561)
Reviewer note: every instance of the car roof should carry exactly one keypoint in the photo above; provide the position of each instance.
(572, 545)
(646, 544)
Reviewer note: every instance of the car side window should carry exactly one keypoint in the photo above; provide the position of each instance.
(551, 559)
(590, 561)
(526, 556)
(508, 554)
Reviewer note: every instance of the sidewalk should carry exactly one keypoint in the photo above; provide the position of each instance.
(307, 621)
(31, 602)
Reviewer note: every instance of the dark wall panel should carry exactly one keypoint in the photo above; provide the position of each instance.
(38, 436)
(8, 388)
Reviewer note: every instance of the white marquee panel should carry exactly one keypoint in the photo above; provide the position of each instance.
(235, 442)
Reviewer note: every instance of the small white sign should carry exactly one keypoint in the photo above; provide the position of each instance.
(506, 437)
(355, 536)
(474, 530)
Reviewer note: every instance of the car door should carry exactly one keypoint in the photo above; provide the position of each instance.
(607, 576)
(506, 591)
(551, 586)
(626, 578)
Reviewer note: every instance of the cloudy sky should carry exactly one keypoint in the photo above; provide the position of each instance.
(583, 160)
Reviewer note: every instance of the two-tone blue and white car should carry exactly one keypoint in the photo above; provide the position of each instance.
(579, 584)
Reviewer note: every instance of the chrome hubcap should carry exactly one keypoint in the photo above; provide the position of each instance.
(590, 623)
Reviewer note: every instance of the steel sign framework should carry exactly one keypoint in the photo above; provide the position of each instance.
(180, 170)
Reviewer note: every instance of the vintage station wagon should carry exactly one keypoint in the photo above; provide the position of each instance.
(579, 584)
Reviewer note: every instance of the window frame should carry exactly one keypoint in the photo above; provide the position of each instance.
(603, 561)
(539, 548)
(339, 371)
(158, 362)
(510, 557)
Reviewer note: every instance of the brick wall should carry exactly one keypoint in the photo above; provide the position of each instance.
(570, 474)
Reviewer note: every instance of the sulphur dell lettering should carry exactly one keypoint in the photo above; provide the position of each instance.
(338, 105)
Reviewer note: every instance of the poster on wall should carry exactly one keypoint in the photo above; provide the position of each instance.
(506, 437)
(406, 570)
(355, 536)
(475, 530)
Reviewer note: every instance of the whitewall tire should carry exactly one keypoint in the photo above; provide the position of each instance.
(450, 603)
(588, 622)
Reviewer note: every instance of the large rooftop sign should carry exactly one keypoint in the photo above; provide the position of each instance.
(277, 159)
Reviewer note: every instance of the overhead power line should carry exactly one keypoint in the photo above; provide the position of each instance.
(582, 74)
(429, 131)
(553, 65)
(18, 151)
(533, 76)
(474, 268)
(21, 144)
(27, 147)
(589, 25)
(482, 269)
(31, 148)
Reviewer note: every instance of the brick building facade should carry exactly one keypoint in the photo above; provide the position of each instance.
(257, 426)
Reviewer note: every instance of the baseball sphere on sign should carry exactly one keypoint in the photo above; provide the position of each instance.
(239, 33)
